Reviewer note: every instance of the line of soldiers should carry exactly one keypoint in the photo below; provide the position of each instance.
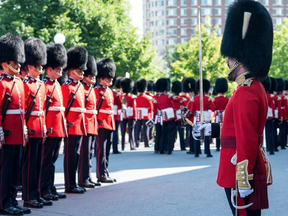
(35, 116)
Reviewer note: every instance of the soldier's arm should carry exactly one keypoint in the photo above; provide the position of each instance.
(2, 95)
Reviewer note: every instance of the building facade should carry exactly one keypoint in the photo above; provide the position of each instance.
(174, 21)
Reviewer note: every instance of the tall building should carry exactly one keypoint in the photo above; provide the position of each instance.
(174, 21)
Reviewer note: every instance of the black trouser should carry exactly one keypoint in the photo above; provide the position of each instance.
(138, 126)
(197, 149)
(269, 135)
(9, 171)
(116, 137)
(217, 143)
(103, 150)
(31, 169)
(167, 136)
(274, 133)
(158, 130)
(189, 138)
(49, 157)
(130, 132)
(207, 140)
(71, 145)
(85, 161)
(180, 129)
(246, 200)
(283, 134)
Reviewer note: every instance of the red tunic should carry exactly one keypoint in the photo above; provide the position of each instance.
(220, 105)
(282, 107)
(144, 107)
(13, 122)
(245, 117)
(165, 105)
(55, 116)
(208, 104)
(117, 105)
(75, 118)
(130, 112)
(36, 123)
(105, 115)
(271, 106)
(91, 112)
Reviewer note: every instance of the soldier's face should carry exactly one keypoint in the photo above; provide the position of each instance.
(11, 67)
(90, 79)
(58, 71)
(232, 69)
(79, 74)
(106, 81)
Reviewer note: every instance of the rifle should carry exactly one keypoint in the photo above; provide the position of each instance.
(31, 105)
(87, 96)
(49, 98)
(101, 100)
(8, 97)
(71, 100)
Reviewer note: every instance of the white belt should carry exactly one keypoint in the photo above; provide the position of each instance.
(78, 109)
(94, 112)
(56, 109)
(15, 111)
(143, 111)
(37, 113)
(109, 112)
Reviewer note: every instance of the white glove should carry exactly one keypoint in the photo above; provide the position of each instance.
(26, 132)
(2, 139)
(207, 129)
(245, 192)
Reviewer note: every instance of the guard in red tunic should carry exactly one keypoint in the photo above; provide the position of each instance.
(272, 91)
(144, 111)
(117, 94)
(157, 122)
(106, 124)
(164, 106)
(55, 120)
(149, 92)
(247, 42)
(220, 101)
(35, 94)
(74, 102)
(88, 142)
(128, 112)
(13, 131)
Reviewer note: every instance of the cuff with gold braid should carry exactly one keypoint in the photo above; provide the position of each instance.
(242, 175)
(1, 134)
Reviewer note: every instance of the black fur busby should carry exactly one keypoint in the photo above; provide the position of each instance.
(273, 86)
(161, 85)
(267, 84)
(221, 85)
(214, 93)
(91, 67)
(254, 49)
(141, 85)
(188, 85)
(11, 48)
(106, 68)
(280, 85)
(56, 56)
(127, 85)
(176, 87)
(154, 87)
(150, 85)
(286, 85)
(35, 52)
(206, 86)
(77, 58)
(168, 84)
(134, 91)
(118, 82)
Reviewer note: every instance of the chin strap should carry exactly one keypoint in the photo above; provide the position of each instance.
(233, 67)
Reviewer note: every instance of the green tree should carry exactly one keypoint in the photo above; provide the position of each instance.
(102, 26)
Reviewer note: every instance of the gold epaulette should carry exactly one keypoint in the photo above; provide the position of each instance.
(247, 82)
(134, 96)
(279, 98)
(184, 99)
(271, 95)
(242, 175)
(170, 95)
(192, 99)
(154, 101)
(118, 94)
(211, 99)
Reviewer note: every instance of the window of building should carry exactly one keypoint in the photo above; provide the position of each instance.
(159, 3)
(171, 31)
(162, 42)
(159, 13)
(217, 2)
(151, 4)
(171, 2)
(219, 31)
(277, 2)
(183, 31)
(218, 11)
(192, 31)
(194, 21)
(172, 41)
(206, 2)
(228, 2)
(151, 24)
(171, 12)
(266, 2)
(193, 12)
(218, 21)
(171, 22)
(183, 12)
(206, 11)
(209, 30)
(278, 11)
(183, 21)
(159, 23)
(151, 14)
(194, 2)
(206, 21)
(183, 2)
(184, 40)
(277, 21)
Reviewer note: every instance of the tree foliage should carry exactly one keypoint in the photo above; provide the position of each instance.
(102, 26)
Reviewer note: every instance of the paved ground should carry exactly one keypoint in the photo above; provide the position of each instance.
(170, 185)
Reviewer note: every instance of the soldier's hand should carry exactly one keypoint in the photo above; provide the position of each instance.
(2, 138)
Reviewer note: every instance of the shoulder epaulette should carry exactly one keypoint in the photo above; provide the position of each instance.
(147, 96)
(192, 99)
(26, 80)
(67, 82)
(247, 82)
(134, 96)
(184, 99)
(154, 100)
(44, 81)
(211, 99)
(279, 97)
(118, 94)
(170, 95)
(271, 95)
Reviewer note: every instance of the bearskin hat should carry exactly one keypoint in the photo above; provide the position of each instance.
(280, 85)
(56, 56)
(221, 85)
(141, 85)
(254, 48)
(134, 91)
(106, 68)
(206, 86)
(150, 85)
(35, 52)
(118, 82)
(63, 78)
(161, 85)
(12, 48)
(267, 84)
(214, 93)
(154, 87)
(168, 84)
(77, 58)
(273, 86)
(286, 85)
(176, 87)
(188, 85)
(127, 85)
(91, 67)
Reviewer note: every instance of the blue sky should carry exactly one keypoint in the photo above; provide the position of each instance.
(136, 14)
